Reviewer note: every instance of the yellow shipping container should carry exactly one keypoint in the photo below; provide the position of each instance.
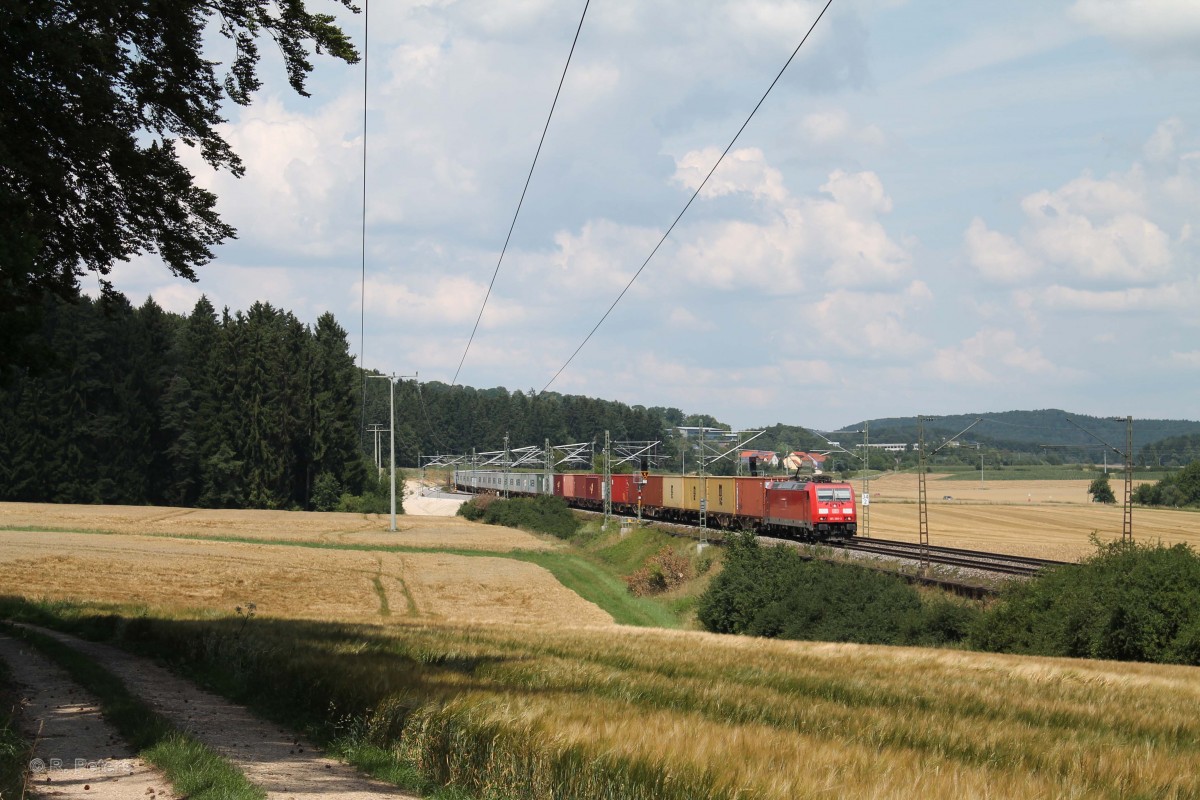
(722, 495)
(692, 492)
(673, 491)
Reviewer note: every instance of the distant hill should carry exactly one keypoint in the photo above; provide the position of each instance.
(1029, 430)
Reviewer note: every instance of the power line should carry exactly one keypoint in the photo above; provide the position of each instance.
(691, 199)
(362, 300)
(521, 202)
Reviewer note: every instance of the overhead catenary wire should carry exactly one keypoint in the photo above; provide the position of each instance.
(688, 204)
(521, 201)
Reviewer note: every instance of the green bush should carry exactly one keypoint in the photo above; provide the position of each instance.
(375, 499)
(1180, 489)
(542, 514)
(326, 492)
(775, 592)
(1129, 602)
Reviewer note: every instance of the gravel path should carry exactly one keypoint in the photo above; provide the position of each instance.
(279, 761)
(77, 753)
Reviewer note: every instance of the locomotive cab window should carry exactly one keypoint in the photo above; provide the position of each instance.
(841, 494)
(825, 495)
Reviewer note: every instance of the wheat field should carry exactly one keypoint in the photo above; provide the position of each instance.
(510, 685)
(1044, 519)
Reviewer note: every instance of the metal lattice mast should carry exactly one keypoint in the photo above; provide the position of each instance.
(606, 489)
(866, 494)
(549, 488)
(703, 490)
(923, 510)
(1127, 528)
(507, 464)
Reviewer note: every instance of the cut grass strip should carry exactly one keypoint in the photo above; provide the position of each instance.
(194, 770)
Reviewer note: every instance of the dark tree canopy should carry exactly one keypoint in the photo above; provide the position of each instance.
(95, 97)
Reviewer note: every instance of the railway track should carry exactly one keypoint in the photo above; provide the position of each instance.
(984, 561)
(949, 556)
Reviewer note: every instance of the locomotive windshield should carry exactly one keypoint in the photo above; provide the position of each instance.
(841, 494)
(825, 494)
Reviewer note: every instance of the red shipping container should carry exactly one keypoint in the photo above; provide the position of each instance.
(558, 485)
(752, 497)
(652, 491)
(590, 487)
(624, 492)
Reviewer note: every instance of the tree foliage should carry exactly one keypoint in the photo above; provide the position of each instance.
(1129, 602)
(97, 96)
(543, 514)
(1100, 490)
(1179, 489)
(143, 406)
(775, 592)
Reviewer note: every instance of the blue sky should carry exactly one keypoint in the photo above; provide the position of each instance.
(941, 208)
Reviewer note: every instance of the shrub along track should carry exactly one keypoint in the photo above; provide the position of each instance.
(278, 761)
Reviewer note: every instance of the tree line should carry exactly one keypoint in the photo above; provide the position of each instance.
(142, 406)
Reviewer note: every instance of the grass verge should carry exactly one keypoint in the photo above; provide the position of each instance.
(195, 771)
(14, 750)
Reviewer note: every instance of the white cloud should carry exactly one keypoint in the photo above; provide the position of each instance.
(867, 324)
(1158, 29)
(986, 358)
(295, 190)
(998, 257)
(1188, 360)
(1171, 296)
(997, 45)
(448, 300)
(742, 170)
(1162, 145)
(835, 127)
(682, 318)
(1092, 233)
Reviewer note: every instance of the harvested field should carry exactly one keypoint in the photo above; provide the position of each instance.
(1045, 519)
(299, 526)
(181, 576)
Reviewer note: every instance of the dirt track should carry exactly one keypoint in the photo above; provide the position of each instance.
(76, 752)
(279, 761)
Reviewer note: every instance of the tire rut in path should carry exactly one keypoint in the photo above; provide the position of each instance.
(76, 753)
(277, 760)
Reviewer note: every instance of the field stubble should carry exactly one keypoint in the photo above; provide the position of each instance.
(1043, 519)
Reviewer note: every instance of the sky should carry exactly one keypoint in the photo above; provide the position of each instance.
(941, 207)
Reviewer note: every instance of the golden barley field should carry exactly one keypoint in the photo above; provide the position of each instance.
(169, 572)
(1044, 519)
(486, 672)
(307, 526)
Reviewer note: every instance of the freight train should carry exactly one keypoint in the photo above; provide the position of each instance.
(813, 508)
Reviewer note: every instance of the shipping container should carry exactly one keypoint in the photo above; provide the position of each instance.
(693, 487)
(672, 491)
(722, 495)
(752, 497)
(624, 490)
(652, 491)
(570, 489)
(590, 488)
